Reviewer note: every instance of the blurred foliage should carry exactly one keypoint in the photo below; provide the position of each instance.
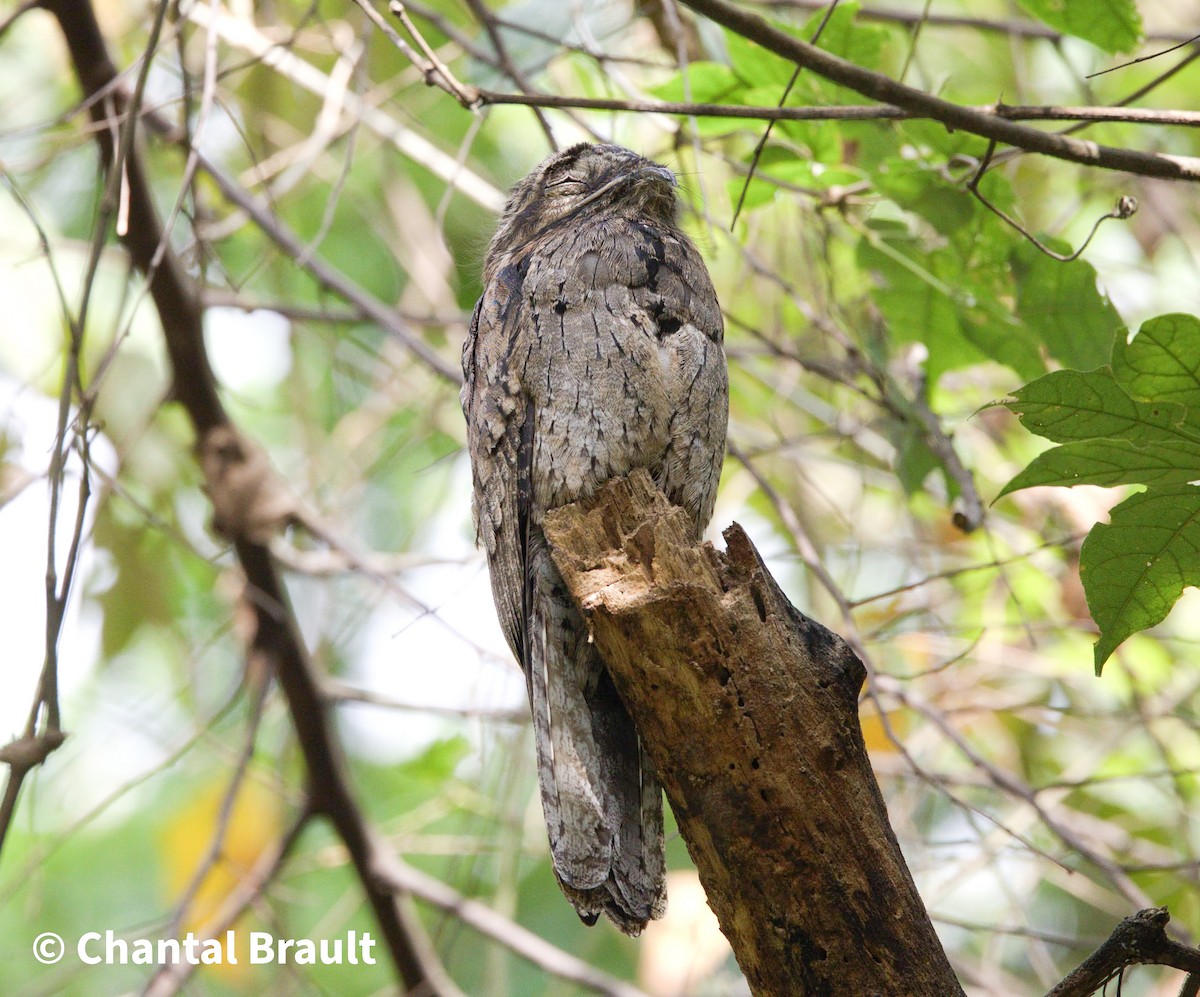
(875, 312)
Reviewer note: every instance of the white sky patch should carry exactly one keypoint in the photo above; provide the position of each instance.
(249, 351)
(454, 656)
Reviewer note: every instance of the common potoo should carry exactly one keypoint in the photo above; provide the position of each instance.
(595, 349)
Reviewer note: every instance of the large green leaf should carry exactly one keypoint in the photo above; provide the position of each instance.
(1113, 25)
(1163, 361)
(1068, 405)
(1112, 462)
(842, 35)
(1135, 568)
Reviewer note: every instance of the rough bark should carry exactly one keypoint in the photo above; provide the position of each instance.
(749, 711)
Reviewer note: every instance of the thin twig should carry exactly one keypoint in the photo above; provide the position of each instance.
(172, 977)
(326, 275)
(404, 48)
(420, 150)
(969, 512)
(340, 692)
(918, 24)
(766, 135)
(804, 546)
(1010, 784)
(1143, 58)
(225, 810)
(519, 940)
(433, 67)
(1125, 208)
(505, 61)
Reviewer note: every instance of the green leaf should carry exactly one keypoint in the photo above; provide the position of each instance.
(755, 65)
(1113, 25)
(915, 461)
(1111, 462)
(143, 592)
(1163, 361)
(917, 305)
(921, 188)
(822, 143)
(1061, 304)
(758, 193)
(933, 298)
(1135, 568)
(706, 83)
(843, 36)
(1068, 405)
(780, 169)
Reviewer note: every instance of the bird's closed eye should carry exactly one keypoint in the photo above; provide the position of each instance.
(569, 184)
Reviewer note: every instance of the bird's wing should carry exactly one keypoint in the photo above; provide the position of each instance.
(499, 438)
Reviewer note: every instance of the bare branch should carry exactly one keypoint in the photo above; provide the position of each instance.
(243, 35)
(521, 941)
(846, 112)
(1018, 28)
(1141, 939)
(883, 88)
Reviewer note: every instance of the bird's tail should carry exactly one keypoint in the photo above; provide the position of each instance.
(602, 803)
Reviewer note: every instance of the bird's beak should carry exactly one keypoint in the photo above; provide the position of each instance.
(659, 172)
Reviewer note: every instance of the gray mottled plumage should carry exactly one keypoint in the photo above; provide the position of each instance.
(594, 350)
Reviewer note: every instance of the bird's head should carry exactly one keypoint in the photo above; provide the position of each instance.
(571, 186)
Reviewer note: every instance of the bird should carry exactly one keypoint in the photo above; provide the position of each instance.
(595, 348)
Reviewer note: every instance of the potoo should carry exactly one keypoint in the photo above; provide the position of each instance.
(595, 349)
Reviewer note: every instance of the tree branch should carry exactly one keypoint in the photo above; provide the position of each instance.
(954, 116)
(492, 924)
(247, 498)
(749, 712)
(845, 112)
(1140, 939)
(1015, 27)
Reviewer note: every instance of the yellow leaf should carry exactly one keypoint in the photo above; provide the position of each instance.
(253, 827)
